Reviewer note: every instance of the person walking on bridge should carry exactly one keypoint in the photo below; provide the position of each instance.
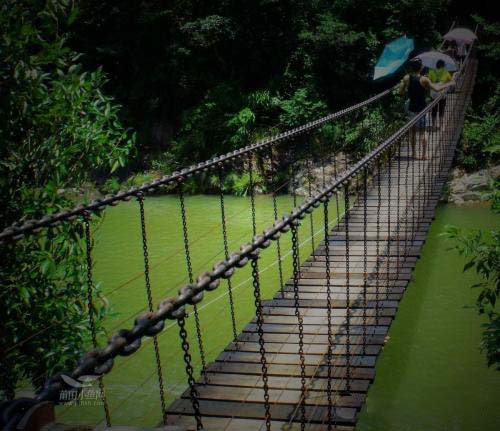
(416, 86)
(439, 75)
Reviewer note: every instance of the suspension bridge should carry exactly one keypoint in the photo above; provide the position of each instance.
(307, 359)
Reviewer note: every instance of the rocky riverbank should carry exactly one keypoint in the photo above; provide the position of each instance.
(466, 188)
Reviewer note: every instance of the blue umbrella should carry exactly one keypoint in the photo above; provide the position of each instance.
(393, 57)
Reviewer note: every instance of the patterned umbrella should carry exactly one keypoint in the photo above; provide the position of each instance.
(393, 57)
(430, 58)
(461, 36)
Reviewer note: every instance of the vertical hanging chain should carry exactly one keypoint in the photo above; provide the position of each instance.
(389, 215)
(296, 275)
(191, 280)
(140, 199)
(193, 393)
(330, 413)
(90, 305)
(398, 226)
(226, 254)
(260, 330)
(419, 185)
(309, 192)
(348, 295)
(377, 251)
(365, 255)
(336, 192)
(413, 198)
(252, 193)
(407, 201)
(293, 183)
(275, 212)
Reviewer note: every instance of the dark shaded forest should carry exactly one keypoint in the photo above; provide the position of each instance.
(201, 78)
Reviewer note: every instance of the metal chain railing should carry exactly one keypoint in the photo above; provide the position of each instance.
(260, 331)
(140, 200)
(226, 254)
(189, 266)
(91, 310)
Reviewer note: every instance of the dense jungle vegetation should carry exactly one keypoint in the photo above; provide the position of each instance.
(114, 91)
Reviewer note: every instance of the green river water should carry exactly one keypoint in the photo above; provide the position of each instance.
(430, 375)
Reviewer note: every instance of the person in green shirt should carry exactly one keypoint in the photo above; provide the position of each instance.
(439, 75)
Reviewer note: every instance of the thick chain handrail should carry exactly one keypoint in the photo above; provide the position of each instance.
(18, 230)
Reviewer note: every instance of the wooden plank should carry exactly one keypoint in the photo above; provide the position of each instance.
(317, 329)
(276, 396)
(313, 349)
(236, 409)
(338, 372)
(310, 339)
(281, 382)
(187, 423)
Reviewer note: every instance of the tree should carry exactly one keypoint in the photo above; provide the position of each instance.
(56, 127)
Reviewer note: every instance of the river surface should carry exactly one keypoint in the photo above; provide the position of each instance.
(431, 375)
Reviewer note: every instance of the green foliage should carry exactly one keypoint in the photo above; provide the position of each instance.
(56, 127)
(226, 73)
(495, 196)
(482, 250)
(239, 184)
(139, 179)
(110, 186)
(241, 124)
(301, 108)
(480, 145)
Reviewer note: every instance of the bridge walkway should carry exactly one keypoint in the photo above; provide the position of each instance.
(232, 396)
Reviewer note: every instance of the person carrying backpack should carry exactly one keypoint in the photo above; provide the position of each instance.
(416, 86)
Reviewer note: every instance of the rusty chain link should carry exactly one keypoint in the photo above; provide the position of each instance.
(193, 392)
